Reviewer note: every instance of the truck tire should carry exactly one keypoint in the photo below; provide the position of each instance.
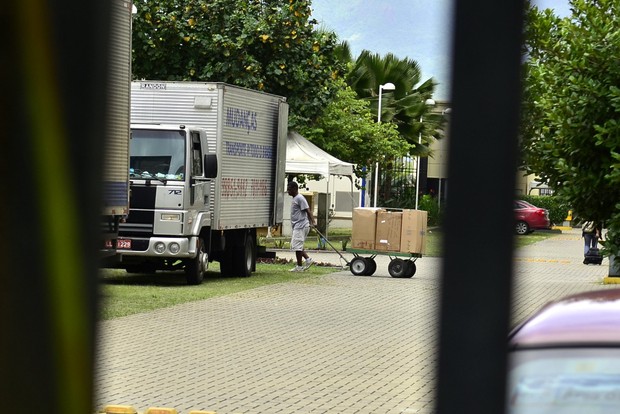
(196, 268)
(244, 257)
(239, 258)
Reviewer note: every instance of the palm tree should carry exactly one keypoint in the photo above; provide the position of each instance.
(405, 106)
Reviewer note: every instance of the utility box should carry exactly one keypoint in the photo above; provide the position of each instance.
(388, 231)
(413, 232)
(363, 228)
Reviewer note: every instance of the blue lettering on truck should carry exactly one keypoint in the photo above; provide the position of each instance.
(242, 149)
(242, 119)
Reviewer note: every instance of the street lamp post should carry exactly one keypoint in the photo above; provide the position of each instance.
(445, 112)
(386, 87)
(428, 102)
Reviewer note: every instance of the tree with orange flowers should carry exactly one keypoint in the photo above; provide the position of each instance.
(269, 45)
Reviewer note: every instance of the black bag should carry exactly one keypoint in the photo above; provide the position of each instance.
(593, 257)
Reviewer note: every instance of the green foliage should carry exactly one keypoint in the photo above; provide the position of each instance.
(571, 133)
(400, 197)
(558, 206)
(275, 46)
(347, 130)
(611, 243)
(430, 204)
(405, 106)
(269, 45)
(406, 200)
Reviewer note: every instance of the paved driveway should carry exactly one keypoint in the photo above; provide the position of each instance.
(335, 344)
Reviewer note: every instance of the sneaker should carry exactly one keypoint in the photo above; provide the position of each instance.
(297, 269)
(309, 262)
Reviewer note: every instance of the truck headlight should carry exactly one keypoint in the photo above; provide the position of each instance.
(174, 247)
(160, 247)
(170, 217)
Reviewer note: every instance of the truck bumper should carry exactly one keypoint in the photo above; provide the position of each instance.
(161, 247)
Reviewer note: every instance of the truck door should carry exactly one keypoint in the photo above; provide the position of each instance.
(200, 188)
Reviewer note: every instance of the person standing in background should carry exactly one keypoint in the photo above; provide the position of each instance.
(301, 220)
(591, 231)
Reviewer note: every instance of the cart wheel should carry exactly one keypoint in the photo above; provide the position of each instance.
(372, 266)
(410, 268)
(359, 266)
(397, 268)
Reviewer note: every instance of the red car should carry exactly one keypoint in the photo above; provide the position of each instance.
(529, 217)
(566, 358)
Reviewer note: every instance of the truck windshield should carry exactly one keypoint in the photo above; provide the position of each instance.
(157, 154)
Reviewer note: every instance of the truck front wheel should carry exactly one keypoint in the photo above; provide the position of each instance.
(196, 268)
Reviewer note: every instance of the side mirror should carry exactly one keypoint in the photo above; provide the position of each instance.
(210, 163)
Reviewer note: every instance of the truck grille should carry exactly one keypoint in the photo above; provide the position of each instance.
(136, 229)
(139, 222)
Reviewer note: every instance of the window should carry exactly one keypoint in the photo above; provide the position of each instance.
(157, 154)
(196, 155)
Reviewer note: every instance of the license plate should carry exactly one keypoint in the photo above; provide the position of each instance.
(107, 244)
(123, 244)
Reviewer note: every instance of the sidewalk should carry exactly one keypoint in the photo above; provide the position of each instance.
(334, 344)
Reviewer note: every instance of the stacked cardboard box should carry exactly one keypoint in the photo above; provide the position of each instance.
(364, 226)
(387, 235)
(391, 231)
(413, 231)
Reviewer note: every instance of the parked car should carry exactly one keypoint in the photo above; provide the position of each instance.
(565, 359)
(529, 217)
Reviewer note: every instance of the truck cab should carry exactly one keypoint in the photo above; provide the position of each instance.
(171, 174)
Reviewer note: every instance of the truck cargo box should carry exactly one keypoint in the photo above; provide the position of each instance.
(247, 130)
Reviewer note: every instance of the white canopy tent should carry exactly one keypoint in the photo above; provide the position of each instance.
(303, 157)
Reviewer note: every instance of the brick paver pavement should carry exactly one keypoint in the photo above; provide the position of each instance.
(335, 344)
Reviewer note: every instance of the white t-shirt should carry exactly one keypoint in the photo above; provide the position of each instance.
(299, 218)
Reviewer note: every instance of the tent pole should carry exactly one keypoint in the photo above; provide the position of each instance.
(327, 197)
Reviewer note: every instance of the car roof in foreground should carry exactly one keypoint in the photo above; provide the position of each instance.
(585, 318)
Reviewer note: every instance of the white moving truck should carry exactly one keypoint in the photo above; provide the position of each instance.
(207, 168)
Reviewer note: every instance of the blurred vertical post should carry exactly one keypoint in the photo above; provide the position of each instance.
(53, 73)
(478, 263)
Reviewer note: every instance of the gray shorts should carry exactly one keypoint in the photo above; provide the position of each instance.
(298, 238)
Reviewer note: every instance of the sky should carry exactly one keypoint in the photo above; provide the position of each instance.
(416, 29)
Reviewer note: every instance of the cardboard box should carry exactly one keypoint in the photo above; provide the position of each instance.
(388, 231)
(413, 231)
(363, 228)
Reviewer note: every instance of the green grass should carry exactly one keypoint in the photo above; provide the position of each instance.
(126, 294)
(535, 237)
